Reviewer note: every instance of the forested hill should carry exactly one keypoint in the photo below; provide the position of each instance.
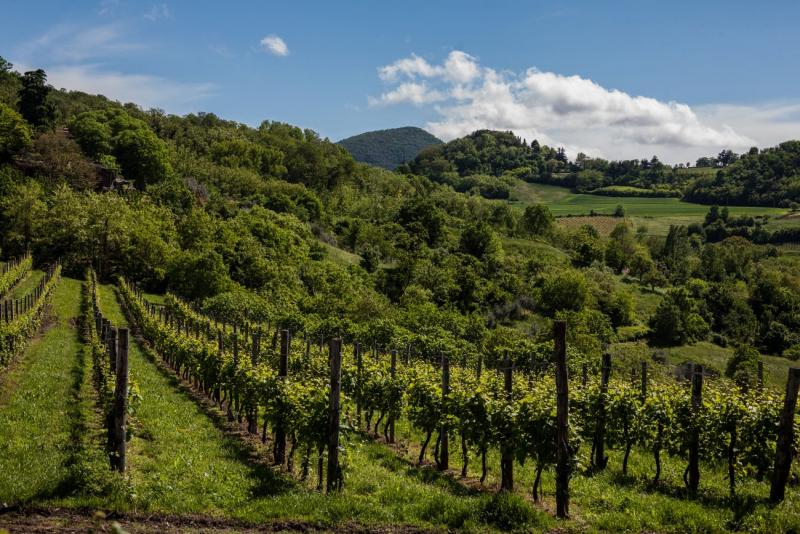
(770, 177)
(389, 148)
(487, 162)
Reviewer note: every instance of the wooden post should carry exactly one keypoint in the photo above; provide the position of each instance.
(584, 374)
(644, 381)
(233, 393)
(113, 344)
(479, 370)
(334, 471)
(393, 373)
(359, 366)
(562, 420)
(280, 428)
(255, 348)
(694, 434)
(600, 459)
(121, 401)
(760, 373)
(507, 453)
(444, 446)
(784, 444)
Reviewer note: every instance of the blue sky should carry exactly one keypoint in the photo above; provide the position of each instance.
(616, 79)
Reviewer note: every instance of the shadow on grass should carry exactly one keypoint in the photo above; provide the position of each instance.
(235, 443)
(390, 460)
(740, 505)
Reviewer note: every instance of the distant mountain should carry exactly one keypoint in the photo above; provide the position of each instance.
(389, 148)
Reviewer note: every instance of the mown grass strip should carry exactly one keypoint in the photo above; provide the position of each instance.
(38, 402)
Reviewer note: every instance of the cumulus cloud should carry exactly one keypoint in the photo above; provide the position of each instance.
(275, 45)
(415, 93)
(569, 111)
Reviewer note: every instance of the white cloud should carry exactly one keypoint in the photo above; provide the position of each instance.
(415, 93)
(275, 45)
(75, 58)
(145, 90)
(459, 67)
(157, 12)
(65, 43)
(574, 112)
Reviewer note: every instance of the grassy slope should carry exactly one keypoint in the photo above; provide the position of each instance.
(39, 405)
(26, 284)
(181, 462)
(655, 213)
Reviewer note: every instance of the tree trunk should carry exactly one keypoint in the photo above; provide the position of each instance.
(424, 446)
(537, 493)
(464, 456)
(484, 471)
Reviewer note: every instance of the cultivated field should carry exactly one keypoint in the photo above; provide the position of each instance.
(657, 214)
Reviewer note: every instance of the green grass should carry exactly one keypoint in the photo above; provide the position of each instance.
(610, 502)
(655, 213)
(26, 284)
(708, 354)
(622, 189)
(40, 450)
(340, 256)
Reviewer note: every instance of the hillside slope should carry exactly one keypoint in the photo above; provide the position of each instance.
(389, 148)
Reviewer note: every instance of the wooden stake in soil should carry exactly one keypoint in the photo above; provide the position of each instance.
(644, 381)
(121, 401)
(783, 447)
(444, 447)
(393, 372)
(694, 435)
(600, 459)
(359, 366)
(562, 420)
(507, 453)
(280, 428)
(334, 470)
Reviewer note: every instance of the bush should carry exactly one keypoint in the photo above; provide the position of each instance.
(742, 367)
(792, 353)
(507, 511)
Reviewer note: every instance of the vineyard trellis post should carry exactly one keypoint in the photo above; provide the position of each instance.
(562, 420)
(283, 372)
(393, 373)
(784, 444)
(359, 364)
(111, 347)
(334, 481)
(644, 381)
(694, 434)
(760, 374)
(507, 452)
(600, 460)
(444, 448)
(121, 401)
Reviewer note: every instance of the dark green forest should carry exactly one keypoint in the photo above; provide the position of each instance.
(389, 148)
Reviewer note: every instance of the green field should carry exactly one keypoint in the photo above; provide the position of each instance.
(657, 214)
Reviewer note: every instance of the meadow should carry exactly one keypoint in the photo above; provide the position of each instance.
(657, 214)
